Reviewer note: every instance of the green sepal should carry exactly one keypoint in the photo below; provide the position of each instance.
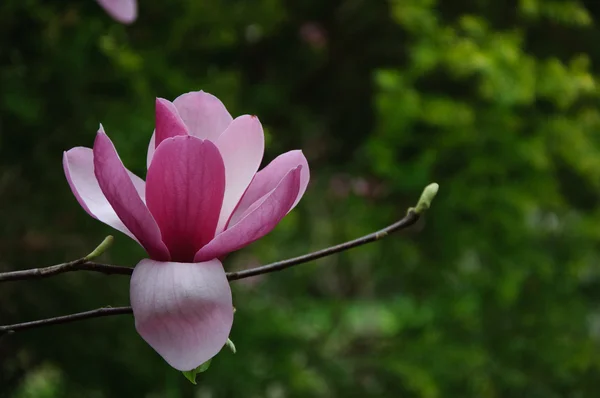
(231, 346)
(191, 374)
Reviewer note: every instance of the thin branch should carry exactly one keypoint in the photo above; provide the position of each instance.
(410, 218)
(82, 264)
(97, 313)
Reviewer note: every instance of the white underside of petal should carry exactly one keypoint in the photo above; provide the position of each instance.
(183, 310)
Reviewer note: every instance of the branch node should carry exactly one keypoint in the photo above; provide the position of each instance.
(380, 235)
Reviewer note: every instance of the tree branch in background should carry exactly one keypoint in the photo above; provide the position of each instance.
(412, 216)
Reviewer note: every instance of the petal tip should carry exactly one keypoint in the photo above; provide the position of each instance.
(123, 11)
(160, 100)
(101, 129)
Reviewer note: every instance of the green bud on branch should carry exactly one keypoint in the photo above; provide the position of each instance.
(102, 247)
(426, 198)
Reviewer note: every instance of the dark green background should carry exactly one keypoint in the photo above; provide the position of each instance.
(496, 293)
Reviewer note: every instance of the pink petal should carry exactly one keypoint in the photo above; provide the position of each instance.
(242, 146)
(184, 192)
(122, 195)
(124, 11)
(258, 221)
(204, 114)
(268, 178)
(151, 149)
(169, 124)
(168, 121)
(183, 310)
(78, 164)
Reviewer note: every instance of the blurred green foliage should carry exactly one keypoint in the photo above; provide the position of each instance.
(495, 294)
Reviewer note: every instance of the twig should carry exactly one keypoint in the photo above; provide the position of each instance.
(81, 264)
(410, 218)
(97, 313)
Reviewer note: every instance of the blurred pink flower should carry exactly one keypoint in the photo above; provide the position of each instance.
(202, 198)
(124, 11)
(313, 34)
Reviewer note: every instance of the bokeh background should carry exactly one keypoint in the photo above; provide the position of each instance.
(496, 293)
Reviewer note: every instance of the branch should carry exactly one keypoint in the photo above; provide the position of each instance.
(411, 218)
(81, 264)
(97, 313)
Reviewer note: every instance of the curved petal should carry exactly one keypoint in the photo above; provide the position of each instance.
(242, 146)
(204, 114)
(258, 221)
(184, 192)
(168, 121)
(268, 178)
(168, 124)
(183, 310)
(78, 164)
(124, 11)
(151, 149)
(122, 195)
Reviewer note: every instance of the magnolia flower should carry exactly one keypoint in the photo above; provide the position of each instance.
(202, 198)
(124, 11)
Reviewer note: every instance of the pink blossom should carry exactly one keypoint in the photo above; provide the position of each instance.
(203, 198)
(124, 11)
